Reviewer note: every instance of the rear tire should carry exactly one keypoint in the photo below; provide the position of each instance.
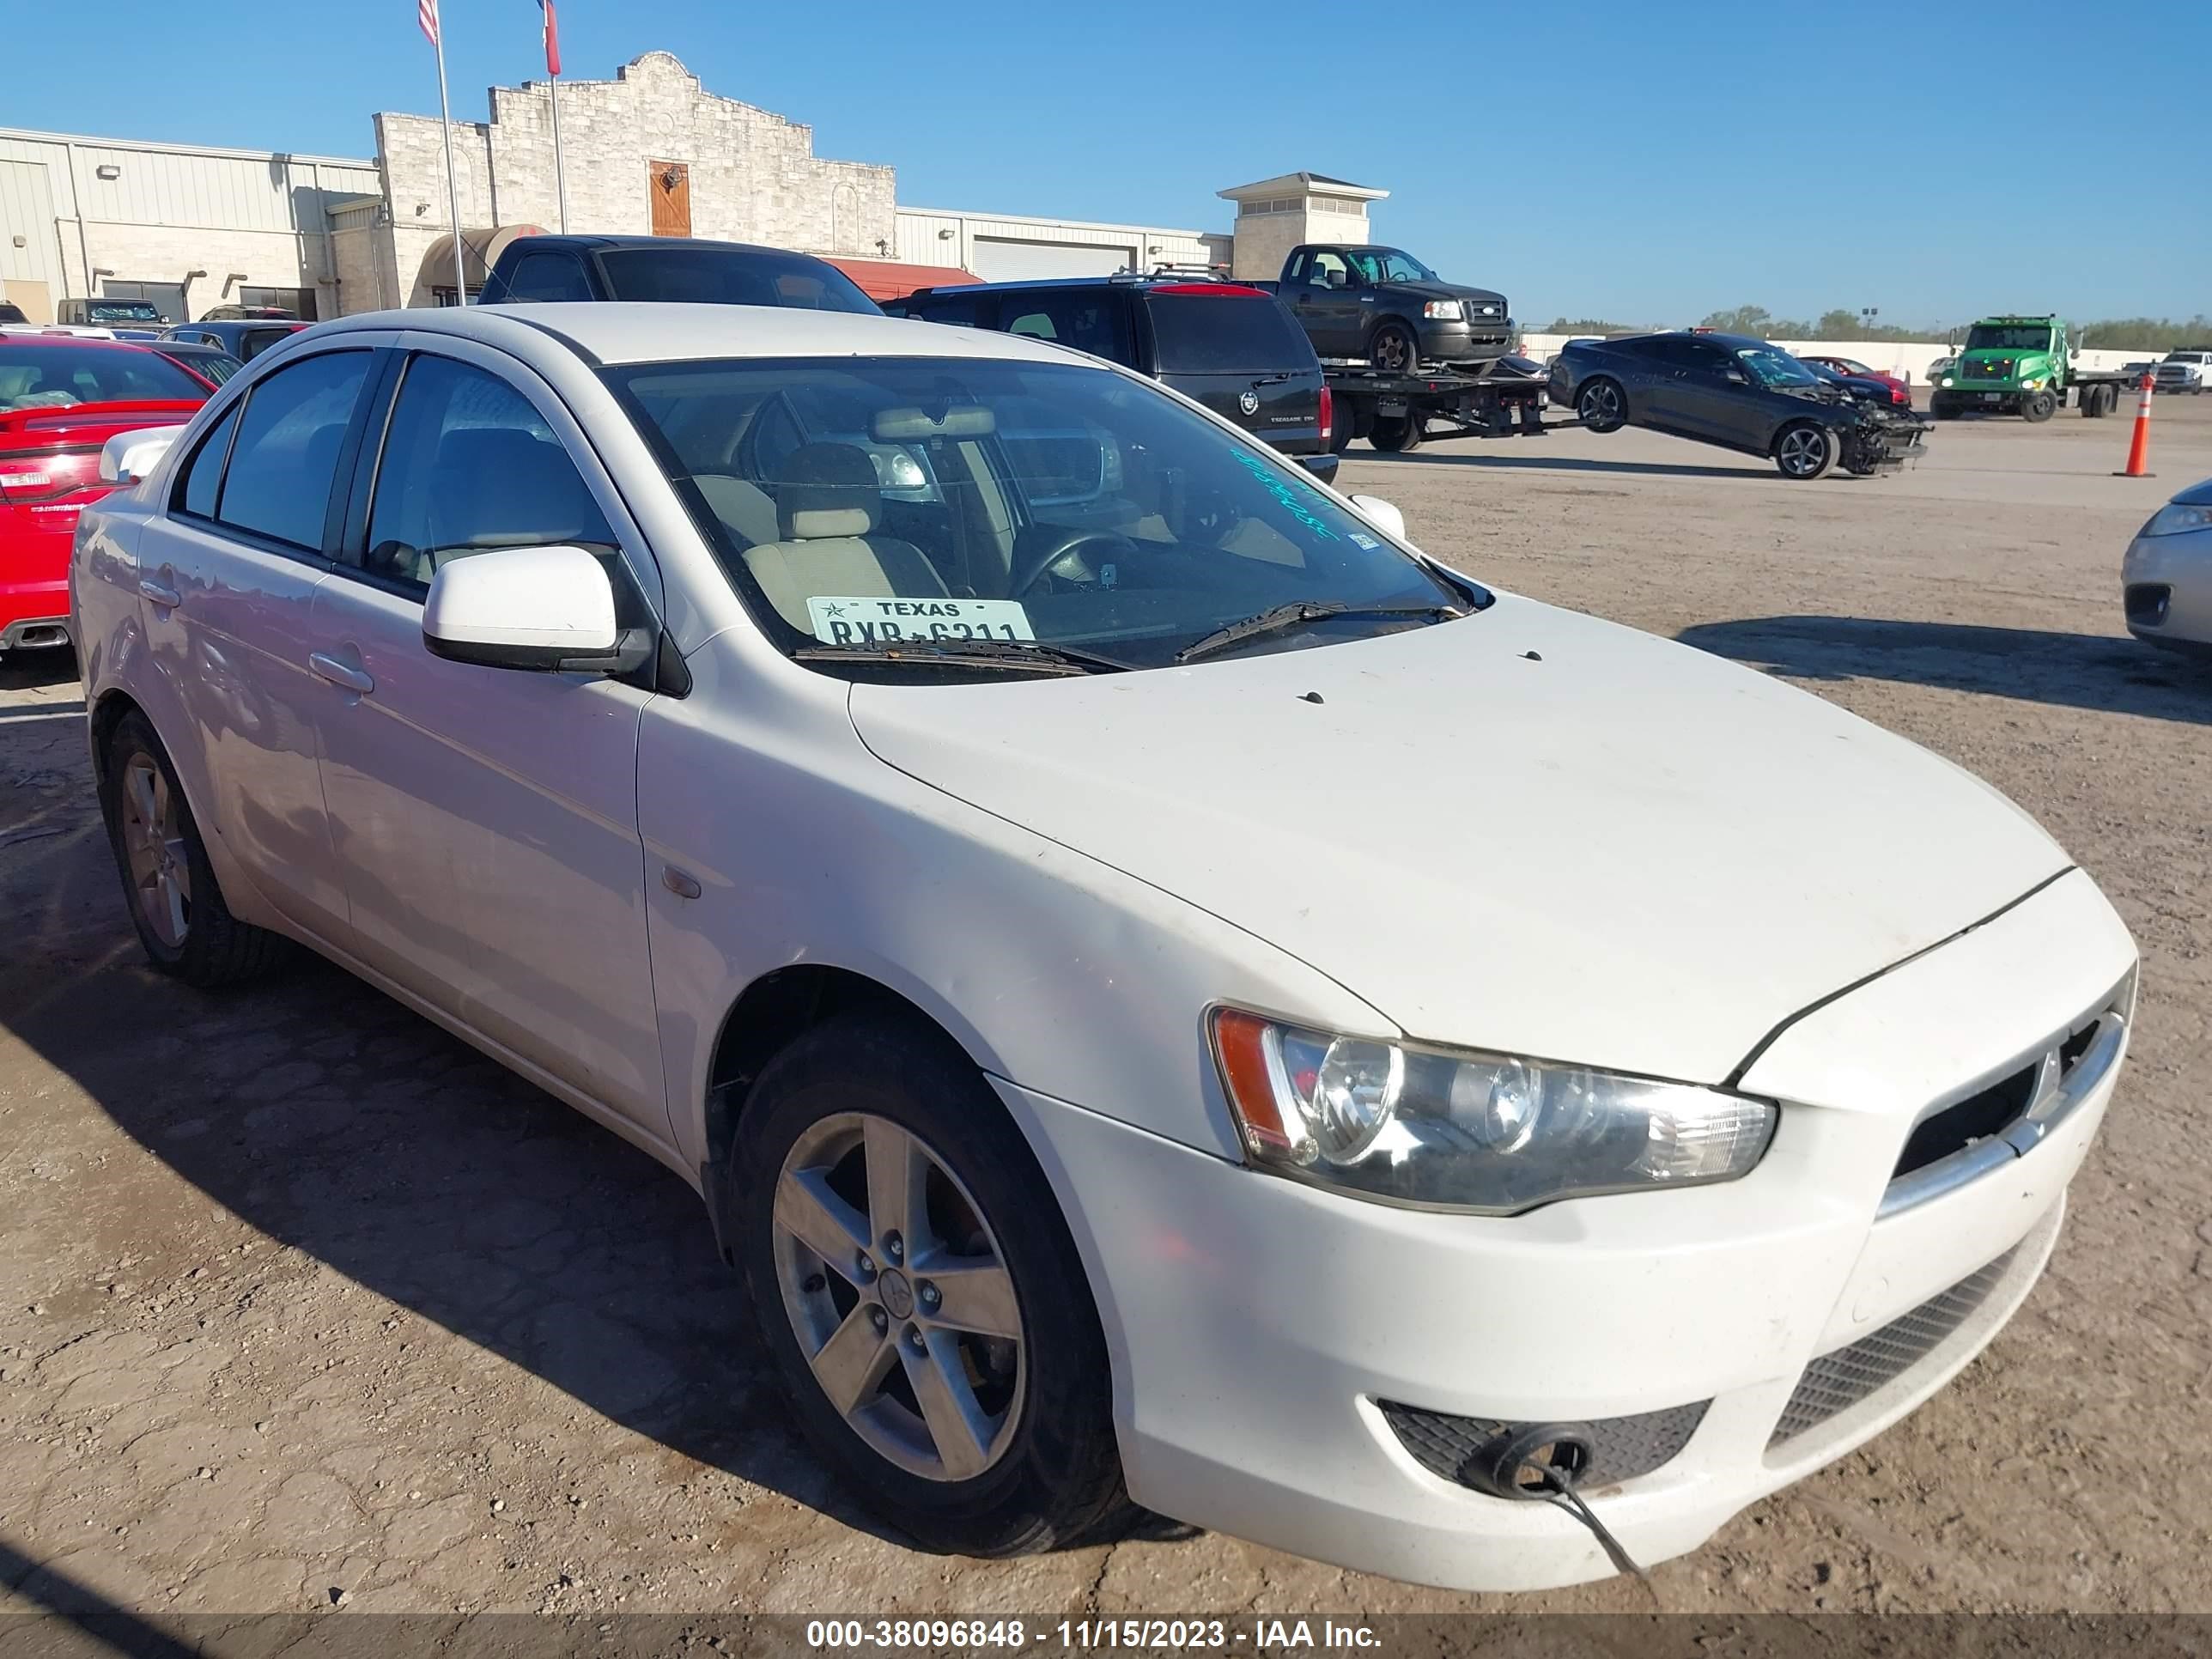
(2037, 407)
(1601, 404)
(1804, 450)
(185, 927)
(1396, 434)
(1941, 408)
(1032, 1416)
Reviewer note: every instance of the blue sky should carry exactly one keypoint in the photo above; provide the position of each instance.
(1672, 159)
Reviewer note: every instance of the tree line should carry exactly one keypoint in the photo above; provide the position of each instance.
(2112, 333)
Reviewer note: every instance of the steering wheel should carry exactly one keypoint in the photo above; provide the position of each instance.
(1058, 547)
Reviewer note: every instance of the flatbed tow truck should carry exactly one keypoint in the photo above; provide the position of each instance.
(1397, 411)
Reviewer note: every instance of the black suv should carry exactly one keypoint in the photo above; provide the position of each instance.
(668, 268)
(1232, 348)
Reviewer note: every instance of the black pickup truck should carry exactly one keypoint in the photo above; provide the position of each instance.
(1383, 306)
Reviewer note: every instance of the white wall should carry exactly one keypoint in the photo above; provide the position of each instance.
(934, 236)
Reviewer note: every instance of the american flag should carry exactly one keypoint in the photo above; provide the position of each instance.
(552, 39)
(426, 13)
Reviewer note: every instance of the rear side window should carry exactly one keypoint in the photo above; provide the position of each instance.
(1226, 334)
(959, 310)
(1092, 320)
(256, 340)
(548, 277)
(286, 455)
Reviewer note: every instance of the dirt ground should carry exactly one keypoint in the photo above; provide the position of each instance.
(302, 1302)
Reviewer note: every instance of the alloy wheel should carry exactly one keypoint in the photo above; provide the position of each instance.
(1803, 451)
(1600, 403)
(153, 844)
(900, 1296)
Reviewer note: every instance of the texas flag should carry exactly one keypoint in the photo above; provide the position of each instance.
(552, 39)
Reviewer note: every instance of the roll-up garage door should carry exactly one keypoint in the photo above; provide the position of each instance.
(998, 260)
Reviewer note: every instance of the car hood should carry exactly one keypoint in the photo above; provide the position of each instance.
(1527, 831)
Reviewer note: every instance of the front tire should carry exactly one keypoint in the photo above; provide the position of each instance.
(917, 1285)
(2039, 406)
(1602, 405)
(1393, 349)
(185, 927)
(1804, 450)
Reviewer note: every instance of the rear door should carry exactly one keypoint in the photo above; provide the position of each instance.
(1237, 351)
(227, 577)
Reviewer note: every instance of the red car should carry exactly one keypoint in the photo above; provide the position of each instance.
(61, 399)
(1901, 390)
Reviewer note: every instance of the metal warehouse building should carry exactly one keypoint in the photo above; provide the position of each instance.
(192, 227)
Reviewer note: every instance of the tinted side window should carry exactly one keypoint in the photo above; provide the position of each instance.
(548, 277)
(203, 477)
(959, 310)
(469, 465)
(1089, 319)
(278, 482)
(1203, 333)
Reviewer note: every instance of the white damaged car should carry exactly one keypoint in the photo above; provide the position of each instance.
(1169, 995)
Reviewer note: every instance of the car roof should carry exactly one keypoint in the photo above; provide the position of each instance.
(566, 241)
(1132, 281)
(79, 340)
(636, 331)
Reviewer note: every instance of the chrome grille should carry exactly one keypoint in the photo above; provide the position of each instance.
(1996, 1120)
(1836, 1381)
(1621, 1448)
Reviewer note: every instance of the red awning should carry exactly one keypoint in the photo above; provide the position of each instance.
(888, 279)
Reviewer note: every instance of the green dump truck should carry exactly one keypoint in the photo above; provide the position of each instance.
(2021, 366)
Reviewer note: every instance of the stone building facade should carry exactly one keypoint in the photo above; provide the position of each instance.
(749, 176)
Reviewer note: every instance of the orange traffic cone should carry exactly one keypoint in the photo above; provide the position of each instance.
(2139, 446)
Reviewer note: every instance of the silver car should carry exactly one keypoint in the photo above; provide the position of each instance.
(2166, 580)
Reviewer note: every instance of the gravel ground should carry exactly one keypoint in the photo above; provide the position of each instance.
(303, 1303)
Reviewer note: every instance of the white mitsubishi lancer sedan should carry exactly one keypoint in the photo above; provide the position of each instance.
(1171, 996)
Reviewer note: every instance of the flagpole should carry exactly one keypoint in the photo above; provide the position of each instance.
(560, 180)
(452, 194)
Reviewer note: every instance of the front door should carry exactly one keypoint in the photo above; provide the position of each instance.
(1326, 301)
(669, 185)
(228, 580)
(485, 819)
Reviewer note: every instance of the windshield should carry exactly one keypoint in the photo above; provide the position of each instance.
(1388, 264)
(1768, 365)
(2009, 336)
(732, 276)
(860, 502)
(58, 376)
(121, 310)
(1226, 333)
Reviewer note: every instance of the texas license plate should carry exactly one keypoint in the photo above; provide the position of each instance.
(840, 620)
(1992, 396)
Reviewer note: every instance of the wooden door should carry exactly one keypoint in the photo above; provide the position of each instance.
(669, 184)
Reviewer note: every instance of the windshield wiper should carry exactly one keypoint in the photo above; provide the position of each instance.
(1014, 656)
(1281, 618)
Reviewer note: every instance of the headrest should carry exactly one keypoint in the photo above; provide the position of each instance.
(503, 487)
(827, 490)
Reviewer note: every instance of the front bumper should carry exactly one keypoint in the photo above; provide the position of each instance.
(1266, 1334)
(2167, 588)
(1485, 340)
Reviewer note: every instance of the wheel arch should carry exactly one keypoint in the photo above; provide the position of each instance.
(766, 1017)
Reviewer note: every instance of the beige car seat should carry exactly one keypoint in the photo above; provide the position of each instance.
(827, 506)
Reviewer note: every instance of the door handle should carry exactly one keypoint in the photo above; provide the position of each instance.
(328, 667)
(160, 593)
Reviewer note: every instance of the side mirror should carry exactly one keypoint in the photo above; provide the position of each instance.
(130, 456)
(549, 609)
(1382, 514)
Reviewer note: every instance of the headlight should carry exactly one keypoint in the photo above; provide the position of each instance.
(2032, 383)
(1946, 379)
(2174, 517)
(1480, 1132)
(1444, 311)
